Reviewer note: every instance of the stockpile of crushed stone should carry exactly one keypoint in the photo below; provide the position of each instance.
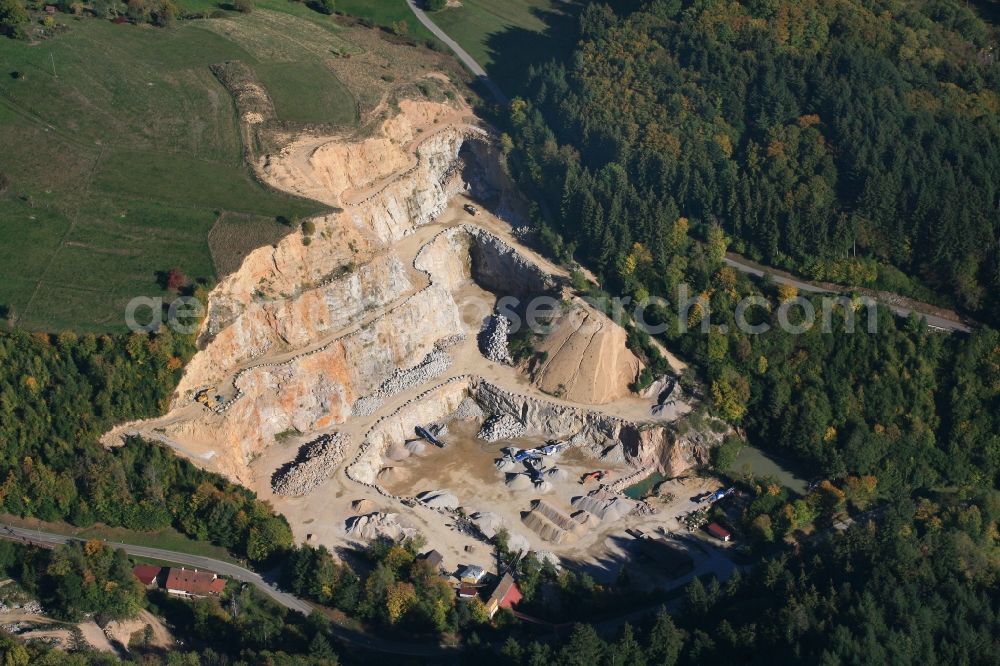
(468, 410)
(493, 340)
(318, 460)
(501, 426)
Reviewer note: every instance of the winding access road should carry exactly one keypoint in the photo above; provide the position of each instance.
(903, 309)
(461, 53)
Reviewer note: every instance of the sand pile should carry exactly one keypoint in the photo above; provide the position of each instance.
(363, 506)
(507, 465)
(416, 448)
(543, 488)
(587, 360)
(546, 529)
(489, 523)
(393, 475)
(557, 475)
(439, 499)
(552, 524)
(605, 505)
(587, 520)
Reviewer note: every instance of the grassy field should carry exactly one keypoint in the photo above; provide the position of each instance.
(507, 37)
(122, 151)
(168, 539)
(384, 13)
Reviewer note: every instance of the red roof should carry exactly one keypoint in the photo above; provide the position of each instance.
(468, 591)
(146, 573)
(505, 595)
(718, 531)
(197, 583)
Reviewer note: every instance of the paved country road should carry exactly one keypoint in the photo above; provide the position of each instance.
(462, 54)
(922, 309)
(352, 637)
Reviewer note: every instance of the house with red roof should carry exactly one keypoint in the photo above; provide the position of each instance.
(192, 583)
(505, 595)
(148, 574)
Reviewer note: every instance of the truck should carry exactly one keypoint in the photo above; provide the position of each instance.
(471, 210)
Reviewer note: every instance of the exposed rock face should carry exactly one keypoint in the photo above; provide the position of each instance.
(271, 324)
(501, 269)
(600, 435)
(432, 365)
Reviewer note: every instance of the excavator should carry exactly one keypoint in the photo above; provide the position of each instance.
(594, 476)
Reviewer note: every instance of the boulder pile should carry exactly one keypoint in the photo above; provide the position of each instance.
(317, 460)
(493, 340)
(378, 525)
(501, 426)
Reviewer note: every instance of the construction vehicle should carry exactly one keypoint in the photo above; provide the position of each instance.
(425, 434)
(526, 455)
(552, 449)
(594, 476)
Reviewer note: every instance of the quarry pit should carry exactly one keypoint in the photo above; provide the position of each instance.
(325, 352)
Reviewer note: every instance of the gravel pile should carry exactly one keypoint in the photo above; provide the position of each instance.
(493, 340)
(433, 365)
(439, 499)
(317, 461)
(502, 426)
(468, 410)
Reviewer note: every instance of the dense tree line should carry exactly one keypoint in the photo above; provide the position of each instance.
(399, 591)
(91, 578)
(58, 394)
(846, 140)
(76, 579)
(917, 585)
(793, 131)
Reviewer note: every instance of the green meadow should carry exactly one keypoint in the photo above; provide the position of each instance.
(122, 150)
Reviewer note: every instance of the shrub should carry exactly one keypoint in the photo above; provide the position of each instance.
(323, 6)
(13, 18)
(243, 6)
(435, 5)
(308, 227)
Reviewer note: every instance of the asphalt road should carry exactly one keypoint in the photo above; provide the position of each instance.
(462, 54)
(934, 321)
(194, 561)
(348, 635)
